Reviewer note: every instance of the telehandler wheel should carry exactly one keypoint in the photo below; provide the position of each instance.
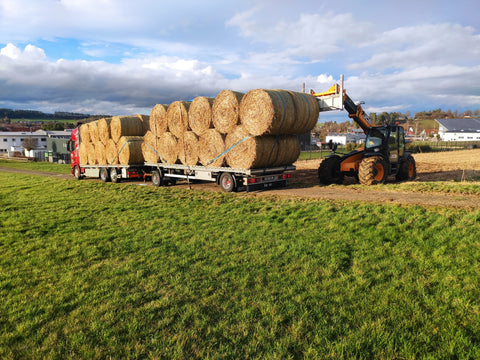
(104, 175)
(407, 170)
(329, 171)
(372, 171)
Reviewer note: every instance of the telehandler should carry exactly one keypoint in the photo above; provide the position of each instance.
(384, 152)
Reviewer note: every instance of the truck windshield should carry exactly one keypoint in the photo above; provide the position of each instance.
(375, 137)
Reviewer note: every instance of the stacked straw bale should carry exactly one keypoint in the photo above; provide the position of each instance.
(113, 141)
(226, 110)
(200, 114)
(177, 117)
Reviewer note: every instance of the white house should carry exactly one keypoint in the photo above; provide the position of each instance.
(344, 139)
(459, 129)
(11, 142)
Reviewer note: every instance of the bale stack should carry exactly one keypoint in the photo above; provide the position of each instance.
(245, 131)
(113, 141)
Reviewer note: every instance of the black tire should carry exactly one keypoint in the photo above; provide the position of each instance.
(329, 171)
(104, 175)
(373, 170)
(77, 172)
(227, 182)
(407, 170)
(114, 175)
(157, 178)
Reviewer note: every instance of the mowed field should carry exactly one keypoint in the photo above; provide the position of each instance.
(94, 270)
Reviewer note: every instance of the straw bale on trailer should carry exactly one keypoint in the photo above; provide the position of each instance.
(187, 148)
(211, 147)
(84, 133)
(82, 151)
(125, 126)
(288, 147)
(145, 122)
(247, 151)
(91, 155)
(226, 110)
(104, 130)
(130, 150)
(167, 147)
(93, 131)
(111, 152)
(177, 117)
(100, 153)
(200, 114)
(149, 147)
(267, 112)
(158, 119)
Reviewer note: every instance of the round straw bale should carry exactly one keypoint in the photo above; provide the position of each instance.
(288, 150)
(125, 126)
(167, 147)
(91, 155)
(130, 150)
(158, 119)
(93, 131)
(226, 110)
(187, 148)
(265, 112)
(82, 150)
(211, 146)
(145, 122)
(100, 153)
(306, 112)
(200, 114)
(111, 152)
(149, 147)
(104, 129)
(84, 133)
(177, 117)
(245, 151)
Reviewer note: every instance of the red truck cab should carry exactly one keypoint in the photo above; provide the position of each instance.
(73, 147)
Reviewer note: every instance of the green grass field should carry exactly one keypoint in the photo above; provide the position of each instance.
(94, 270)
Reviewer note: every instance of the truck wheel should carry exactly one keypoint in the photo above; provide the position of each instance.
(157, 178)
(77, 173)
(114, 175)
(407, 170)
(372, 171)
(329, 171)
(227, 182)
(104, 175)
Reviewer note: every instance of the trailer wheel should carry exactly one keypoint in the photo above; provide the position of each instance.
(77, 173)
(227, 182)
(104, 175)
(157, 178)
(372, 171)
(114, 175)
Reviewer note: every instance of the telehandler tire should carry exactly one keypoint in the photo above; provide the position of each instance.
(372, 171)
(329, 171)
(407, 170)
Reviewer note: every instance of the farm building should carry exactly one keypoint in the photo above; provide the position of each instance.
(345, 138)
(12, 143)
(459, 129)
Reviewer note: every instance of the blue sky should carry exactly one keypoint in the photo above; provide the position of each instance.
(123, 57)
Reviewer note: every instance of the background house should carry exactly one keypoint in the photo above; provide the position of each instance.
(459, 129)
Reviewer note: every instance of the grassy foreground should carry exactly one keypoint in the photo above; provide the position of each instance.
(94, 270)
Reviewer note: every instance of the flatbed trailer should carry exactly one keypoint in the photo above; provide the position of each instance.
(161, 174)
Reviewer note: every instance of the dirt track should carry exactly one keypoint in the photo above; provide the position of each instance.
(448, 166)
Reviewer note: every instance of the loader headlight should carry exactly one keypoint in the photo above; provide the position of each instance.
(376, 149)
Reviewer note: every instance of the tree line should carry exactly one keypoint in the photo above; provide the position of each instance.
(6, 114)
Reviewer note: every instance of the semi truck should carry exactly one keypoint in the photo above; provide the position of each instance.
(161, 174)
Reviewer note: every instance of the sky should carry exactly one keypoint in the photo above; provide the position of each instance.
(122, 57)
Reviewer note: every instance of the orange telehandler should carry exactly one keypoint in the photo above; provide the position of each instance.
(384, 152)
